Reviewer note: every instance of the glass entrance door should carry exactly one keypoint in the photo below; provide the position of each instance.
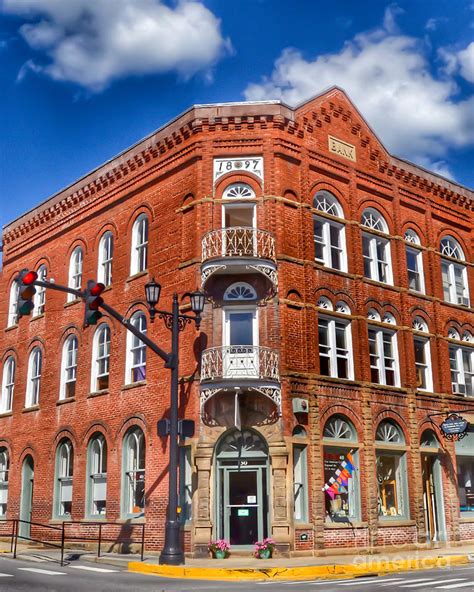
(432, 497)
(26, 500)
(239, 238)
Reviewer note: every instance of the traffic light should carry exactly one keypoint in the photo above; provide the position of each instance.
(93, 301)
(26, 292)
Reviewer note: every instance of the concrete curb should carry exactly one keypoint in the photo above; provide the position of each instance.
(349, 570)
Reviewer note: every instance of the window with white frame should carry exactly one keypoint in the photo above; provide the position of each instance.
(185, 483)
(8, 384)
(133, 500)
(414, 257)
(106, 253)
(453, 273)
(97, 476)
(375, 248)
(424, 374)
(139, 245)
(12, 309)
(75, 271)
(4, 471)
(136, 351)
(391, 472)
(100, 359)
(335, 344)
(329, 237)
(39, 299)
(300, 474)
(69, 368)
(33, 384)
(383, 352)
(64, 479)
(461, 361)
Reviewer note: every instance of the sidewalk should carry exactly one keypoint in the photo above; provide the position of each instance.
(278, 568)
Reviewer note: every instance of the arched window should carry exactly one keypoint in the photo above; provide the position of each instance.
(375, 248)
(424, 374)
(39, 299)
(100, 359)
(96, 485)
(64, 477)
(4, 471)
(69, 368)
(136, 351)
(300, 474)
(238, 191)
(33, 384)
(106, 253)
(465, 473)
(454, 274)
(414, 257)
(139, 245)
(461, 360)
(329, 236)
(75, 271)
(240, 291)
(8, 385)
(133, 493)
(335, 345)
(12, 309)
(391, 472)
(384, 368)
(341, 470)
(429, 439)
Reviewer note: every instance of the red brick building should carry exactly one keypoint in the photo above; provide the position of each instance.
(339, 319)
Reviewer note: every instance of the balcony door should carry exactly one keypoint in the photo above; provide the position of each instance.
(240, 359)
(239, 239)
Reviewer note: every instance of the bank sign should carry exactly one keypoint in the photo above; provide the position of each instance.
(454, 427)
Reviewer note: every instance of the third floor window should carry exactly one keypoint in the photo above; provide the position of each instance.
(139, 245)
(376, 248)
(329, 237)
(106, 253)
(453, 272)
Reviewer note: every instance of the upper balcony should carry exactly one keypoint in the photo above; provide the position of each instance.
(239, 250)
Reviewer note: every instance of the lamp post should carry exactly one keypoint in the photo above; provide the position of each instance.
(173, 553)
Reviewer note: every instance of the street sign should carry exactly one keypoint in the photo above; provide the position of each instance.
(454, 427)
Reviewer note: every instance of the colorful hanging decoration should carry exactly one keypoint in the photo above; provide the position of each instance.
(341, 476)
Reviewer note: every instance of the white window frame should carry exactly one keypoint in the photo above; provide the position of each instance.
(380, 363)
(452, 257)
(8, 385)
(39, 299)
(4, 473)
(327, 246)
(464, 382)
(13, 304)
(373, 260)
(33, 385)
(332, 353)
(69, 367)
(139, 254)
(75, 271)
(97, 477)
(133, 472)
(185, 484)
(425, 367)
(419, 269)
(105, 259)
(100, 363)
(300, 482)
(136, 349)
(64, 479)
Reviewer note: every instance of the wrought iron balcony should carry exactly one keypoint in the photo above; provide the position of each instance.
(239, 250)
(239, 362)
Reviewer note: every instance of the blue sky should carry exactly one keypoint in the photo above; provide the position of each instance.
(84, 79)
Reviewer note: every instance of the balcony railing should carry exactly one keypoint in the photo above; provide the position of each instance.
(238, 241)
(239, 361)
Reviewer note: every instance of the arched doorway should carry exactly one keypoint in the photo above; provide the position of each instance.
(433, 503)
(26, 500)
(242, 491)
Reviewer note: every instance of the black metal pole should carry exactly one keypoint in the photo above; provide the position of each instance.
(173, 553)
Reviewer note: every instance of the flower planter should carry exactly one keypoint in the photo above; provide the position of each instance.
(220, 554)
(265, 553)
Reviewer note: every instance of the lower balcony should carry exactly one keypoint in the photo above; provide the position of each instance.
(240, 384)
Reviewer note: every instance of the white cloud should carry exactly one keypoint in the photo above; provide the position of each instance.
(466, 62)
(418, 115)
(93, 42)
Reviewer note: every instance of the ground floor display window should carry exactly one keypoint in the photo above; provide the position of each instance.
(341, 471)
(465, 473)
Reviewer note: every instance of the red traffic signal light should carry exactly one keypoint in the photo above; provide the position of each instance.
(25, 280)
(93, 302)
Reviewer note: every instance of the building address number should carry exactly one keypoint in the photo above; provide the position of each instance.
(251, 164)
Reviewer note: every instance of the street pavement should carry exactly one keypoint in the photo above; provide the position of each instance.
(82, 576)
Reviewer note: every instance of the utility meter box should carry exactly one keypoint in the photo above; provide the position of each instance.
(300, 406)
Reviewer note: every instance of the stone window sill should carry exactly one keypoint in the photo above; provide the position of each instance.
(72, 302)
(98, 393)
(64, 401)
(11, 328)
(336, 525)
(40, 316)
(135, 276)
(387, 521)
(28, 409)
(127, 387)
(6, 414)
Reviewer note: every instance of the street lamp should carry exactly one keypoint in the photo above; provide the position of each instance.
(173, 553)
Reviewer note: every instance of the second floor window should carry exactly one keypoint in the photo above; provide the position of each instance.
(424, 375)
(75, 272)
(136, 351)
(329, 240)
(12, 309)
(39, 298)
(375, 248)
(106, 253)
(454, 273)
(34, 378)
(69, 368)
(383, 355)
(461, 360)
(139, 245)
(8, 385)
(101, 359)
(64, 475)
(414, 262)
(335, 357)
